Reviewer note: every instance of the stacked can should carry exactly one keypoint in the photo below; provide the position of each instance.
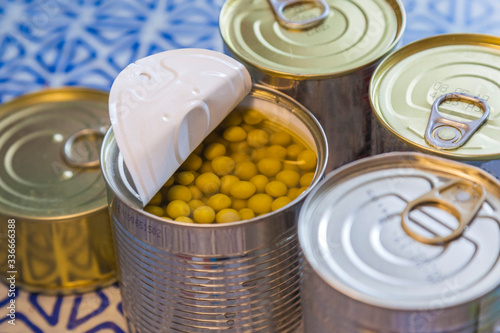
(241, 276)
(321, 55)
(439, 96)
(52, 189)
(402, 242)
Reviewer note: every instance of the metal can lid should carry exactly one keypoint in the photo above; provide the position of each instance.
(355, 34)
(46, 139)
(351, 231)
(407, 84)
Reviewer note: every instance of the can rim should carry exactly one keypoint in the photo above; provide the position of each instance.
(401, 17)
(340, 287)
(319, 173)
(53, 94)
(48, 95)
(411, 49)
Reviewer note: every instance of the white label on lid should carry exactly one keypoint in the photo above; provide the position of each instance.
(162, 107)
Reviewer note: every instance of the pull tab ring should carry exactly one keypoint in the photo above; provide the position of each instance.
(461, 198)
(280, 5)
(444, 133)
(67, 153)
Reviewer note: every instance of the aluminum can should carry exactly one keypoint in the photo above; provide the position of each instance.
(53, 190)
(402, 242)
(327, 67)
(448, 76)
(183, 277)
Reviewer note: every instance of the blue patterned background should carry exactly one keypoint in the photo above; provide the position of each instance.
(51, 43)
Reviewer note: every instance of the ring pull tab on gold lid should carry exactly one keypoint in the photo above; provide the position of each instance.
(460, 198)
(445, 133)
(73, 156)
(279, 7)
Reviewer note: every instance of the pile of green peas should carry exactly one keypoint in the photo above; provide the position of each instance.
(248, 166)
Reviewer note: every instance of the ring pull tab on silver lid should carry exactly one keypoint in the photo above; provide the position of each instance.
(460, 198)
(71, 158)
(444, 133)
(280, 5)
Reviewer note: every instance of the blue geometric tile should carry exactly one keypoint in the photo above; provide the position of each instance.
(80, 54)
(120, 308)
(75, 320)
(109, 33)
(45, 43)
(10, 50)
(122, 12)
(106, 327)
(20, 320)
(23, 75)
(427, 18)
(125, 53)
(52, 318)
(476, 11)
(49, 56)
(96, 78)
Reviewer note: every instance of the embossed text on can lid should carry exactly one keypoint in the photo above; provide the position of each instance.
(408, 82)
(351, 232)
(38, 182)
(355, 34)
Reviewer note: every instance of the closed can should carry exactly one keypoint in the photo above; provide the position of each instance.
(402, 242)
(53, 192)
(440, 96)
(326, 67)
(241, 277)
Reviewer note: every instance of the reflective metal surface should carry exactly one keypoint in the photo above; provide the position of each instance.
(366, 274)
(279, 7)
(460, 198)
(243, 276)
(326, 68)
(445, 133)
(408, 82)
(63, 235)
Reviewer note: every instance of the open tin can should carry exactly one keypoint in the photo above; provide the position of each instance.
(402, 242)
(241, 276)
(52, 188)
(322, 54)
(440, 96)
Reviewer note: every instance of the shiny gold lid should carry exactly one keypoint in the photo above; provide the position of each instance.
(38, 180)
(355, 34)
(408, 82)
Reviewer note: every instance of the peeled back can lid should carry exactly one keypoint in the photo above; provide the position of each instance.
(408, 83)
(355, 34)
(41, 180)
(164, 105)
(352, 232)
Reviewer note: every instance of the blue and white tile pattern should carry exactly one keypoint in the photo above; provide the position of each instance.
(51, 43)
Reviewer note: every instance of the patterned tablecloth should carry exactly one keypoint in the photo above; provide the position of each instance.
(51, 43)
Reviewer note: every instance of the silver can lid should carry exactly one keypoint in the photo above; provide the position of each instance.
(49, 148)
(351, 231)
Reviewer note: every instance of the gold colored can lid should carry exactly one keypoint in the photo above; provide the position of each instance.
(49, 148)
(460, 73)
(355, 34)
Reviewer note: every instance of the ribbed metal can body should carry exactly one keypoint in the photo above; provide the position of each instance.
(222, 280)
(325, 308)
(182, 277)
(327, 67)
(363, 272)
